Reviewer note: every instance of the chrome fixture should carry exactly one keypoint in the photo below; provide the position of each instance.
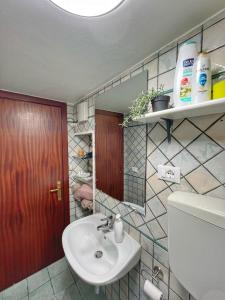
(157, 274)
(108, 226)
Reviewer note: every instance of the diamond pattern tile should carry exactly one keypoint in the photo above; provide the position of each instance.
(156, 230)
(216, 132)
(157, 184)
(183, 186)
(185, 161)
(217, 166)
(170, 149)
(149, 169)
(218, 192)
(202, 180)
(156, 206)
(157, 158)
(205, 121)
(186, 133)
(150, 146)
(204, 148)
(157, 134)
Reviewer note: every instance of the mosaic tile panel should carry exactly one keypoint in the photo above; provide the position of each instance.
(134, 164)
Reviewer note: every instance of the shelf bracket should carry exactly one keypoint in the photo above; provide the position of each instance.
(169, 126)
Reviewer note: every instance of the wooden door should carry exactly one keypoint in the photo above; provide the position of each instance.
(33, 157)
(109, 153)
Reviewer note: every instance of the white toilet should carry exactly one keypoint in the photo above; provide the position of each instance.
(196, 231)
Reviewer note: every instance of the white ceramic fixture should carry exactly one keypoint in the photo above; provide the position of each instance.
(95, 256)
(88, 8)
(82, 111)
(196, 232)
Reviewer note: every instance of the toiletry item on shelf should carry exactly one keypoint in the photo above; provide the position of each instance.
(84, 192)
(201, 90)
(87, 204)
(83, 174)
(88, 155)
(118, 229)
(219, 88)
(79, 153)
(184, 74)
(152, 291)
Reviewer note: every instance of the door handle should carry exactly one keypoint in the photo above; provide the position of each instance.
(58, 190)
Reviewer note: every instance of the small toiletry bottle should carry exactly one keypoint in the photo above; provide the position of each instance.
(201, 90)
(118, 229)
(184, 74)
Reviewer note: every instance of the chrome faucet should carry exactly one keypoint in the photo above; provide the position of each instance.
(108, 226)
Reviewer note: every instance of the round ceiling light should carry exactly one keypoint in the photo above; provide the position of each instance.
(88, 8)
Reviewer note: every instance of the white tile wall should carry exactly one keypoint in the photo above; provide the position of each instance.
(198, 147)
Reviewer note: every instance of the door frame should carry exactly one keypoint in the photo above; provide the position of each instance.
(65, 170)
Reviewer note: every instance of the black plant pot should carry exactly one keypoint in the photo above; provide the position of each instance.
(160, 103)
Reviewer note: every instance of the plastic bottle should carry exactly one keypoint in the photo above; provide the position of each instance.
(201, 91)
(118, 229)
(184, 74)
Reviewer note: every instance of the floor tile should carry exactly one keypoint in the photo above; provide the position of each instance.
(71, 293)
(62, 281)
(16, 292)
(38, 279)
(45, 292)
(57, 267)
(88, 292)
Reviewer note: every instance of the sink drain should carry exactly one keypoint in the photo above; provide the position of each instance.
(98, 254)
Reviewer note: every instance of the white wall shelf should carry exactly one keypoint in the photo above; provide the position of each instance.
(87, 180)
(195, 110)
(83, 133)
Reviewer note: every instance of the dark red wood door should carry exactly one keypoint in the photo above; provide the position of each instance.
(109, 153)
(32, 160)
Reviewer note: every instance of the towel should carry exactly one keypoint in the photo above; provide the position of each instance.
(87, 204)
(75, 187)
(85, 192)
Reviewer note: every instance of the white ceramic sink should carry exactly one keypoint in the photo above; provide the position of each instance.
(81, 240)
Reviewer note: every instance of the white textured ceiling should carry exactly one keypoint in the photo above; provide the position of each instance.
(47, 52)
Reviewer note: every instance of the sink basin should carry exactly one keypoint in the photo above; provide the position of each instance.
(95, 256)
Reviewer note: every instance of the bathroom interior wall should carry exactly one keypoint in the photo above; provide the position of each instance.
(198, 147)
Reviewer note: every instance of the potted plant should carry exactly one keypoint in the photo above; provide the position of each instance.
(158, 100)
